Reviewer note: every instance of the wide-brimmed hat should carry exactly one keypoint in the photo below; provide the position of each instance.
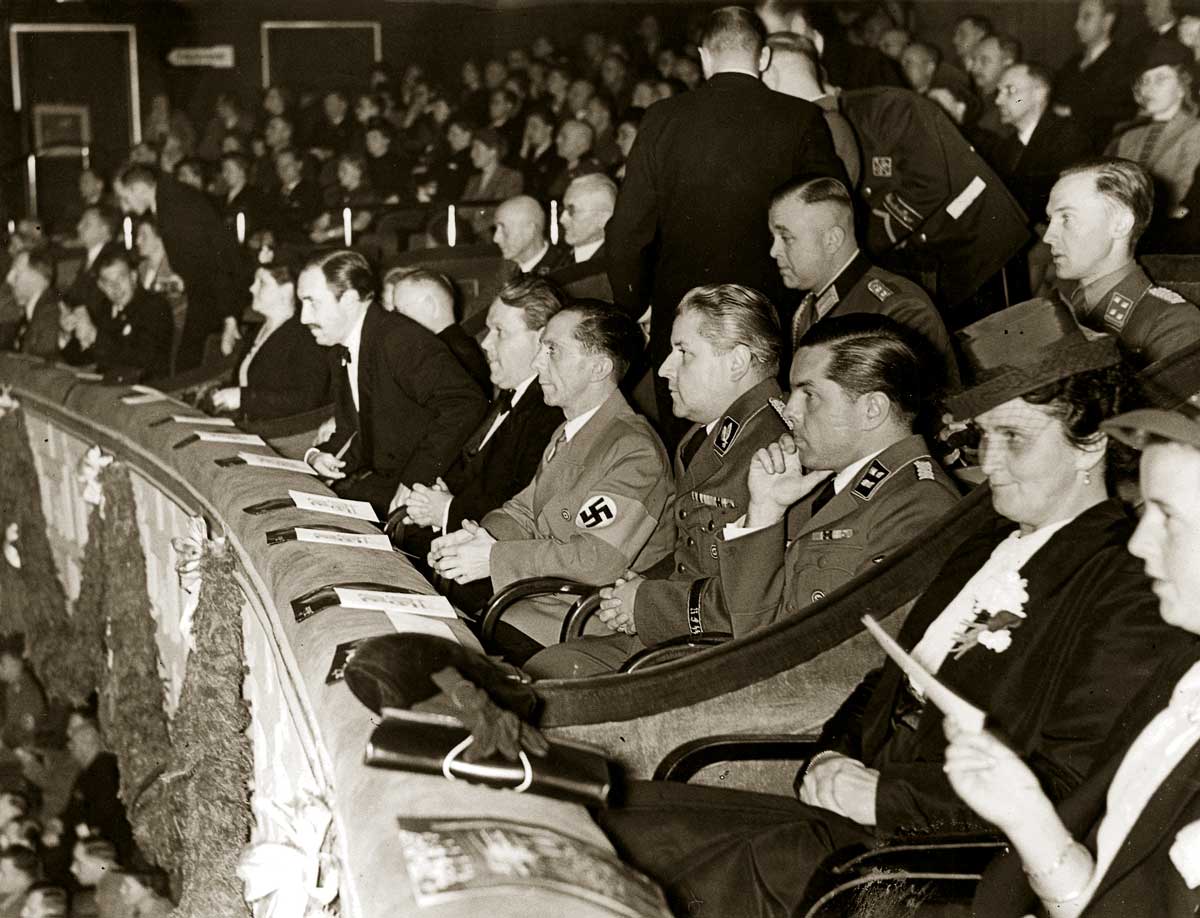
(1172, 385)
(1022, 348)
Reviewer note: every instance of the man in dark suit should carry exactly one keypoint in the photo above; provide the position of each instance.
(1095, 87)
(698, 182)
(502, 455)
(427, 297)
(94, 231)
(242, 197)
(587, 206)
(131, 334)
(201, 249)
(403, 404)
(1042, 144)
(31, 278)
(521, 235)
(297, 200)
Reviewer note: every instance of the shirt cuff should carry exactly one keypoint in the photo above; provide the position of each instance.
(738, 528)
(445, 516)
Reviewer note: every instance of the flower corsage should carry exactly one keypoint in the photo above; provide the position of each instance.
(998, 607)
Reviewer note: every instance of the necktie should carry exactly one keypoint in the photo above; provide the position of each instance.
(343, 354)
(692, 446)
(824, 495)
(559, 442)
(501, 405)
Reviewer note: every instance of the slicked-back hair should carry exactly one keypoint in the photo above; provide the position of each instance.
(734, 28)
(604, 329)
(537, 298)
(1124, 184)
(344, 270)
(111, 256)
(419, 275)
(822, 190)
(731, 314)
(875, 353)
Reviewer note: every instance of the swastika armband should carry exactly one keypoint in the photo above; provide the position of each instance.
(597, 512)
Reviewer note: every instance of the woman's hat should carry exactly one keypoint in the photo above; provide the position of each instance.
(1168, 52)
(1172, 385)
(1020, 349)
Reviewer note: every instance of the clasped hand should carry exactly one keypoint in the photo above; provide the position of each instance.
(844, 785)
(777, 480)
(617, 603)
(464, 555)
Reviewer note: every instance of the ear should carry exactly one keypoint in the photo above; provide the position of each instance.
(1121, 223)
(833, 239)
(874, 409)
(739, 358)
(705, 62)
(1090, 455)
(602, 368)
(764, 59)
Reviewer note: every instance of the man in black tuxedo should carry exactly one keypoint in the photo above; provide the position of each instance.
(698, 182)
(94, 231)
(31, 278)
(131, 334)
(500, 458)
(403, 404)
(201, 249)
(427, 297)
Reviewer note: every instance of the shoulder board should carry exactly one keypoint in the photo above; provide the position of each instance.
(879, 288)
(924, 469)
(1167, 296)
(726, 434)
(779, 405)
(875, 474)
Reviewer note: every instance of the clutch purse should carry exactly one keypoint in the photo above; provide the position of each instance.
(434, 744)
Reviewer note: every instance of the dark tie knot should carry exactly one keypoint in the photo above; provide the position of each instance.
(343, 354)
(504, 401)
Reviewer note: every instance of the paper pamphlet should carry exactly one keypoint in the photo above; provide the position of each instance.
(409, 603)
(145, 390)
(278, 463)
(954, 707)
(404, 623)
(202, 419)
(354, 509)
(243, 439)
(378, 542)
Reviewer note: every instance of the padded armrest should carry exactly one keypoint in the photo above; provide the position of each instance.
(968, 854)
(673, 649)
(682, 762)
(523, 589)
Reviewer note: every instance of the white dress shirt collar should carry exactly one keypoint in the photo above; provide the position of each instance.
(530, 263)
(576, 424)
(584, 252)
(847, 475)
(353, 343)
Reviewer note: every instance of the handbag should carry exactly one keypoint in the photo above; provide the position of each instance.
(434, 744)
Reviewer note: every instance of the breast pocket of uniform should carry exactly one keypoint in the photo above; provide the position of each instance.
(819, 568)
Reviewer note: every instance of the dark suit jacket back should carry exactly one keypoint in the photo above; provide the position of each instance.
(468, 352)
(289, 375)
(417, 406)
(585, 279)
(698, 182)
(1030, 170)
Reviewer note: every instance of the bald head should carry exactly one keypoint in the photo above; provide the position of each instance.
(425, 296)
(520, 229)
(587, 204)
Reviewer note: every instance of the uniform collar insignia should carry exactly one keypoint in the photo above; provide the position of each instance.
(726, 434)
(875, 474)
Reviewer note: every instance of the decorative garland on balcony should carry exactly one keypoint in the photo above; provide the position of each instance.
(30, 601)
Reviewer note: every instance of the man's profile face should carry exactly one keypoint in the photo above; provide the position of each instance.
(117, 284)
(583, 218)
(796, 243)
(1018, 95)
(1079, 232)
(327, 316)
(824, 417)
(697, 374)
(515, 234)
(562, 365)
(510, 345)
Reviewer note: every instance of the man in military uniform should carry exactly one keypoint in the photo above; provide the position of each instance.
(599, 504)
(927, 192)
(1098, 211)
(725, 352)
(814, 245)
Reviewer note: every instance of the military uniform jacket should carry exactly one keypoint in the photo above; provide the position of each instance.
(927, 190)
(709, 493)
(864, 287)
(600, 506)
(1150, 322)
(766, 576)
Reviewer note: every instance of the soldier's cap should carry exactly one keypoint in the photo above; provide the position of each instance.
(1172, 386)
(1017, 350)
(1167, 52)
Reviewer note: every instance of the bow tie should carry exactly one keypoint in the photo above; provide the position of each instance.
(343, 354)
